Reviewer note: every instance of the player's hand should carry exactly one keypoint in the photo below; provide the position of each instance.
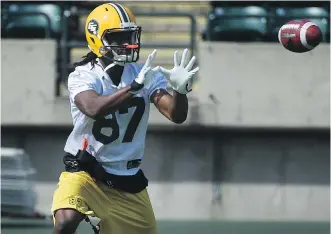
(145, 75)
(180, 76)
(147, 71)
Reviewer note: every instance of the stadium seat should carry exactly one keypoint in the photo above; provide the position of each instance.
(281, 15)
(31, 26)
(196, 8)
(245, 23)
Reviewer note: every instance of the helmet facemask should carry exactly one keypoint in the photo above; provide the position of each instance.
(121, 45)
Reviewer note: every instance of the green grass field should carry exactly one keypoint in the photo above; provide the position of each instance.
(184, 227)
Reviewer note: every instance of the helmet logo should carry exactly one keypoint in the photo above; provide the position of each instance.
(93, 27)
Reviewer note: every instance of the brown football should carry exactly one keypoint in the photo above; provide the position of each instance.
(299, 36)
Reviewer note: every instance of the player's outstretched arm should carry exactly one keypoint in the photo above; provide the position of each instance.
(175, 107)
(94, 105)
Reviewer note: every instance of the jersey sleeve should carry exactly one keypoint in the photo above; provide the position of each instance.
(80, 81)
(159, 82)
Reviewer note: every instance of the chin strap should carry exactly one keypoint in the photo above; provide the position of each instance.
(115, 58)
(113, 63)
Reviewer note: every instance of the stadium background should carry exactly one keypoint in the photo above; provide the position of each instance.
(254, 153)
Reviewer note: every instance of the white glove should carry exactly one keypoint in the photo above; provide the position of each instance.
(145, 75)
(147, 71)
(180, 77)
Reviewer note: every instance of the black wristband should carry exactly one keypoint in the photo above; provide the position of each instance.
(135, 86)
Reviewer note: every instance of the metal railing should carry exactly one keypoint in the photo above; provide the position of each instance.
(67, 44)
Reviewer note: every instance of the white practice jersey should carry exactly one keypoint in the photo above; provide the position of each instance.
(119, 138)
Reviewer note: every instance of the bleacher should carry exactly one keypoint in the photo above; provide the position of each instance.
(261, 21)
(215, 21)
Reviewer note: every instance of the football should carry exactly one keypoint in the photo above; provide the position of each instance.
(299, 36)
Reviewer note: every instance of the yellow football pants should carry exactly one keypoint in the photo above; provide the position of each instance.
(119, 212)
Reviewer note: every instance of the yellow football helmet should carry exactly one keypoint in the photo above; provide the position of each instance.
(111, 32)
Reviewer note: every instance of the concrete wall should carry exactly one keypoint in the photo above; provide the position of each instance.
(28, 82)
(266, 176)
(260, 85)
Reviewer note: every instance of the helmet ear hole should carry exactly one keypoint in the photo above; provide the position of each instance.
(92, 39)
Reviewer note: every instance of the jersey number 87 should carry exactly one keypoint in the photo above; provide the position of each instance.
(137, 102)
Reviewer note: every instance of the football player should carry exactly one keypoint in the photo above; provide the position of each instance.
(110, 98)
